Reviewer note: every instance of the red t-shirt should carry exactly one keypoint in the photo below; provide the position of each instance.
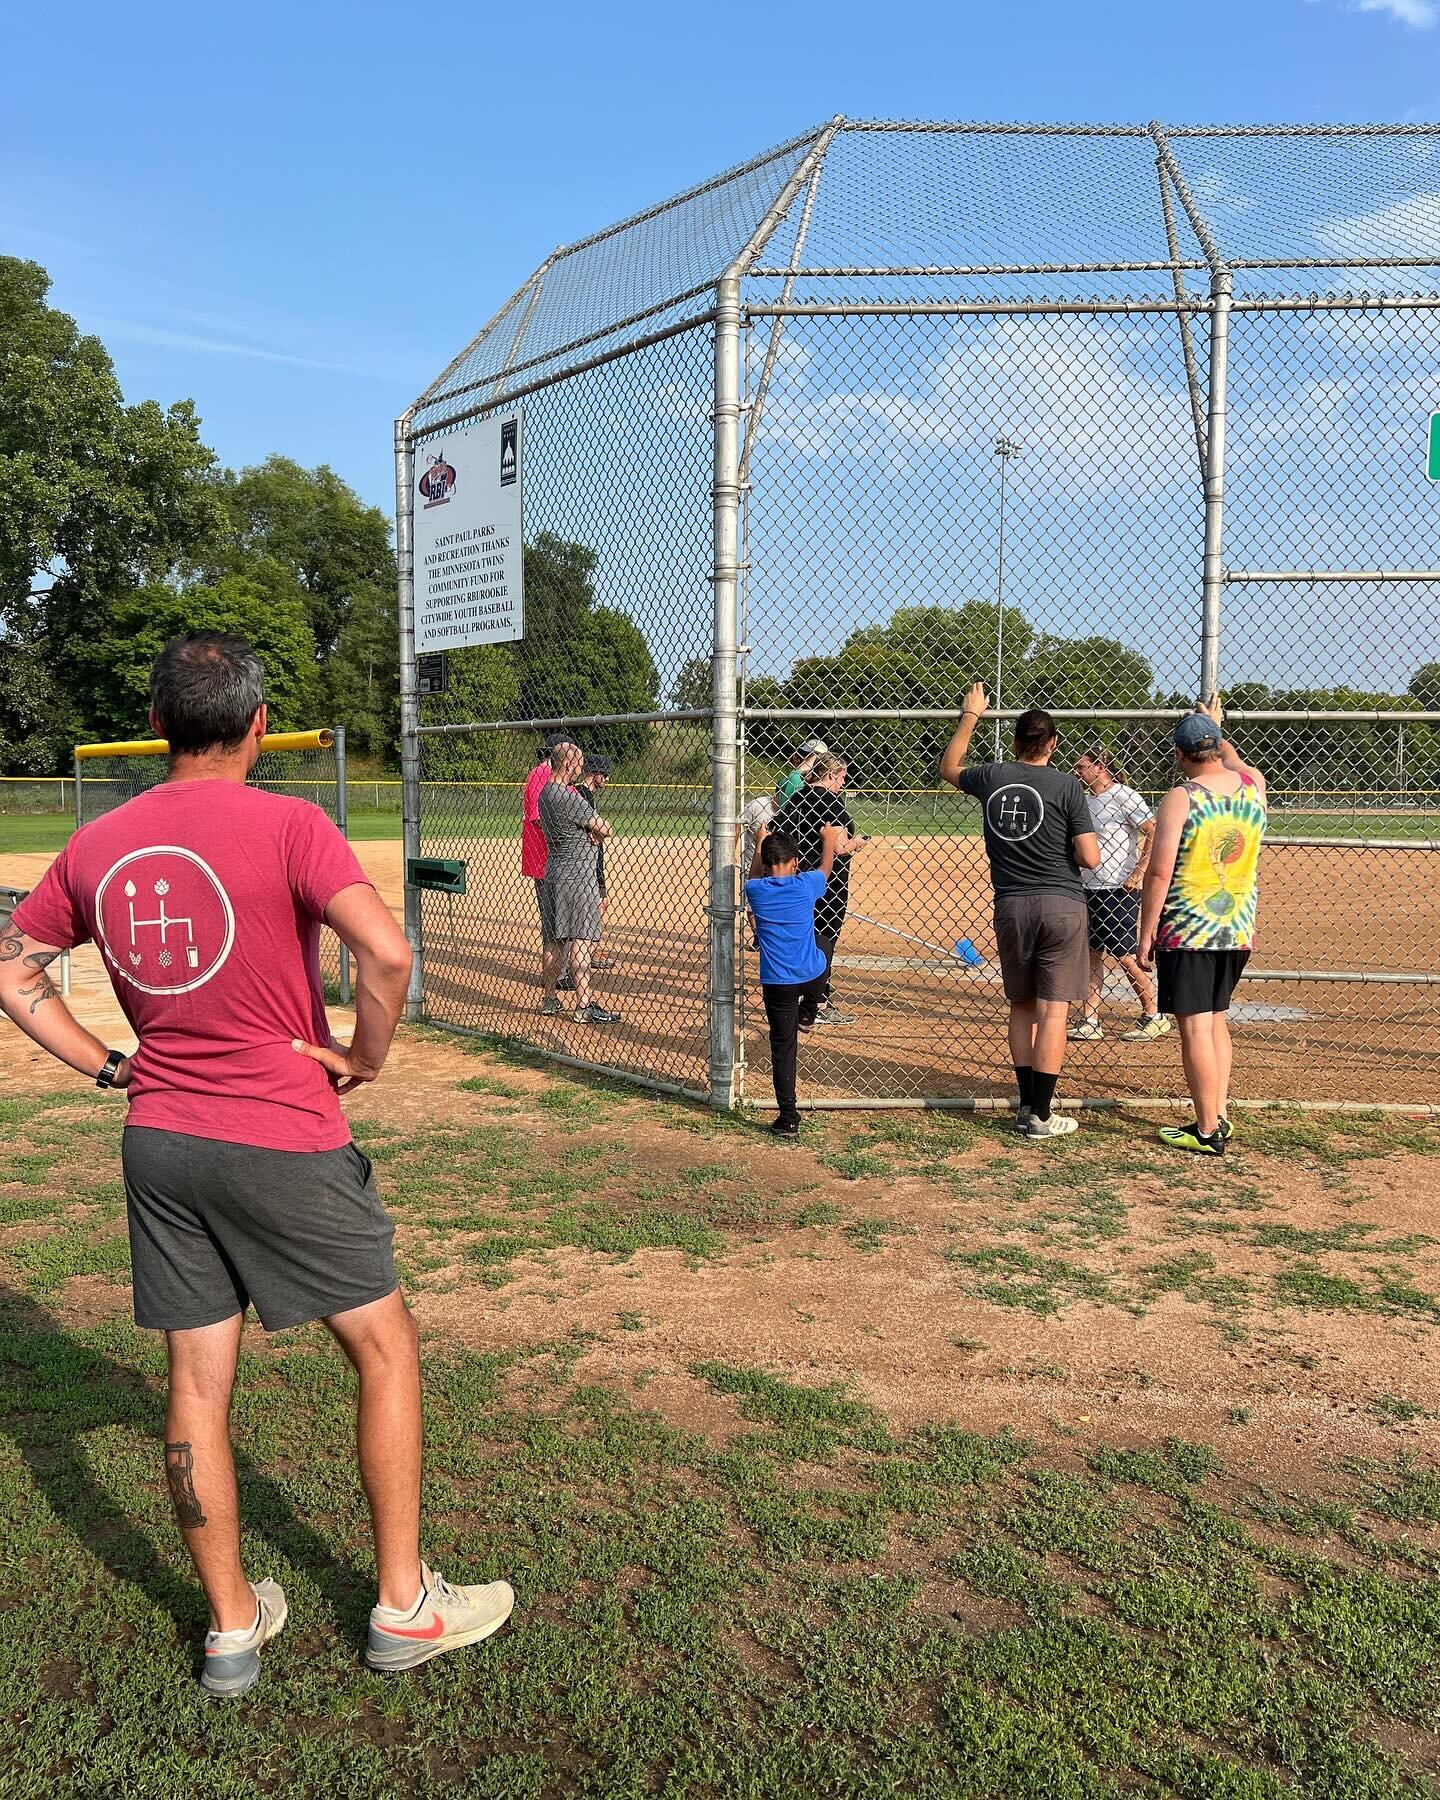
(205, 898)
(534, 852)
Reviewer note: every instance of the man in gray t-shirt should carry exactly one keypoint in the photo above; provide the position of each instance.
(574, 832)
(1038, 837)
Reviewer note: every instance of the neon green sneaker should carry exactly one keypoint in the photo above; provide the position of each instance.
(1190, 1137)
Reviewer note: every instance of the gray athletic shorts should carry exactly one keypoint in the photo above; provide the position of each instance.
(215, 1226)
(1044, 945)
(545, 900)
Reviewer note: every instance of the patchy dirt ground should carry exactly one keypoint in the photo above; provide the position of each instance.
(1283, 1305)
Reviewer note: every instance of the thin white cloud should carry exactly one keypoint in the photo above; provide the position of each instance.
(162, 338)
(1419, 15)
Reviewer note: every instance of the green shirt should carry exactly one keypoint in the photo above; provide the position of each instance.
(792, 784)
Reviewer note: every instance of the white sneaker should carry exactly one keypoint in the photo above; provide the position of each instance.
(445, 1618)
(1154, 1025)
(232, 1658)
(1057, 1125)
(1088, 1030)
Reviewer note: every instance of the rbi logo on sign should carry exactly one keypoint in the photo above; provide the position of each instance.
(1014, 812)
(438, 482)
(163, 920)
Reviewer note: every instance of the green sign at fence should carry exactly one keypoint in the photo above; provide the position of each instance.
(441, 874)
(1432, 458)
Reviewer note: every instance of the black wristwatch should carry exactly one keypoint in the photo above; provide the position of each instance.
(106, 1077)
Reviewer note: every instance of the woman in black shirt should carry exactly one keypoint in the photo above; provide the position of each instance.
(803, 818)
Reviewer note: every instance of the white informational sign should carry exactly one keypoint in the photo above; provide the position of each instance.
(469, 587)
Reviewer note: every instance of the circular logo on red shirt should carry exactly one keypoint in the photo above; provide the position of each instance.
(163, 920)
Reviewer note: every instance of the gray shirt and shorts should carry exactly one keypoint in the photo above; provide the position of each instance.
(572, 866)
(1032, 813)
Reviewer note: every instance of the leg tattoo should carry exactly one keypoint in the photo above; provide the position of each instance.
(180, 1473)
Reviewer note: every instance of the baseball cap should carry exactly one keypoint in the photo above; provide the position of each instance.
(557, 738)
(1197, 732)
(597, 765)
(814, 747)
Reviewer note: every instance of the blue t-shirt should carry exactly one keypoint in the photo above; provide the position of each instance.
(784, 909)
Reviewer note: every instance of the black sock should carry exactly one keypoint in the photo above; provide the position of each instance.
(1042, 1092)
(1025, 1081)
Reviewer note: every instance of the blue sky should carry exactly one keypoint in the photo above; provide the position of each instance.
(296, 214)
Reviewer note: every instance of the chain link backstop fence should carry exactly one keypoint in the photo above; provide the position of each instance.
(1104, 416)
(310, 765)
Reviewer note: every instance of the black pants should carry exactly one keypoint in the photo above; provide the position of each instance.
(787, 1007)
(828, 926)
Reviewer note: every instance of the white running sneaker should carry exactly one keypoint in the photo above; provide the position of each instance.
(1088, 1030)
(1152, 1025)
(1057, 1125)
(232, 1658)
(445, 1618)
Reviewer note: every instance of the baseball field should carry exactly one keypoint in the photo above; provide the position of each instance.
(912, 1460)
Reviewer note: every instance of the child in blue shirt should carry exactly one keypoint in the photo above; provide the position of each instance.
(792, 964)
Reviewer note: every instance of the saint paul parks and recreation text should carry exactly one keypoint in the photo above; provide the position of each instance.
(465, 584)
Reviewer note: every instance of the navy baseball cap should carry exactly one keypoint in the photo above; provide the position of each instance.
(1197, 732)
(557, 738)
(597, 765)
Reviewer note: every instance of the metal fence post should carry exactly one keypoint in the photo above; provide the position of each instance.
(342, 819)
(79, 798)
(409, 699)
(1214, 580)
(725, 491)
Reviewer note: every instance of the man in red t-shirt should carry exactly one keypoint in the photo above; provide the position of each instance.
(534, 852)
(205, 897)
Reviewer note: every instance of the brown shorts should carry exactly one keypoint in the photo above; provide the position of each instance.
(1044, 945)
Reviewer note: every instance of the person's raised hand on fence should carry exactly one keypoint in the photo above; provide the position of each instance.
(952, 760)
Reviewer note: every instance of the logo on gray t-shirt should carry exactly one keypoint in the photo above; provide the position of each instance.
(1015, 812)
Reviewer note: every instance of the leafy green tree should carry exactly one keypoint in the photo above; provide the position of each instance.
(1424, 688)
(96, 498)
(484, 685)
(962, 639)
(316, 526)
(577, 658)
(1082, 672)
(360, 683)
(111, 666)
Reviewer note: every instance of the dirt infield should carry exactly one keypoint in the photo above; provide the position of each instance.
(926, 1025)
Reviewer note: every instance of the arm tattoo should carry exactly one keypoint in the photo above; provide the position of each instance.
(42, 988)
(180, 1474)
(11, 942)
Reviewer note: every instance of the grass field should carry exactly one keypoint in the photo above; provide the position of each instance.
(909, 1462)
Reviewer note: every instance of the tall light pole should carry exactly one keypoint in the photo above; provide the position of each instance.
(1005, 448)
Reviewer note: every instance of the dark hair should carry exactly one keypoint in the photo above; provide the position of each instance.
(205, 690)
(1098, 754)
(1033, 731)
(778, 847)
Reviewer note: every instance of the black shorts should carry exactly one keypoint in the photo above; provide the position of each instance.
(214, 1226)
(1114, 920)
(1197, 981)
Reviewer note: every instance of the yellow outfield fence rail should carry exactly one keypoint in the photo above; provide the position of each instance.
(273, 741)
(309, 765)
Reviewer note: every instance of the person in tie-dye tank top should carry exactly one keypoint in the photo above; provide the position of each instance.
(1197, 921)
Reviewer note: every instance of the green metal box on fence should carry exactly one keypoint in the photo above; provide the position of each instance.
(442, 874)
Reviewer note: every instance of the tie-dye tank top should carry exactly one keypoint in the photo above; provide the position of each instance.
(1211, 903)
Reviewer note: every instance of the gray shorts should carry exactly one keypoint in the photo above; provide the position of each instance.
(1044, 945)
(545, 900)
(577, 905)
(215, 1226)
